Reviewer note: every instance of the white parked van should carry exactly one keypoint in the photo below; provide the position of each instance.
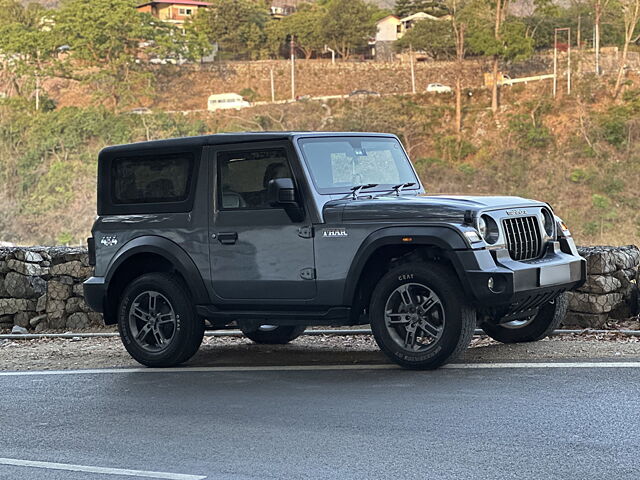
(223, 101)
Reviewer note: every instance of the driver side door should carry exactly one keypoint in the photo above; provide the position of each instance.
(257, 252)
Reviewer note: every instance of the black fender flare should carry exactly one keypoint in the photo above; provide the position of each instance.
(445, 237)
(169, 250)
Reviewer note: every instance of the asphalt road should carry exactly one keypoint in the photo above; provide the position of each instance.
(518, 423)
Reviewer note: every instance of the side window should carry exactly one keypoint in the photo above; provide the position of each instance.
(243, 177)
(151, 179)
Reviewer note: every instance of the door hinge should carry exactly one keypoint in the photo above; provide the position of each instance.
(306, 231)
(308, 273)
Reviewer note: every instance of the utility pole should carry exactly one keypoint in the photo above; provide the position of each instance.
(293, 68)
(273, 86)
(413, 70)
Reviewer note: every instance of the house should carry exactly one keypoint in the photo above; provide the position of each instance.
(173, 11)
(283, 8)
(391, 28)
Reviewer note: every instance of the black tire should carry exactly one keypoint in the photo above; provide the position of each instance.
(548, 319)
(172, 318)
(452, 318)
(274, 335)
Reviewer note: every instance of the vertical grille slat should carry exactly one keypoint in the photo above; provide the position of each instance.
(523, 237)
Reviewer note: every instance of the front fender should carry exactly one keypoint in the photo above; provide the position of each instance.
(446, 237)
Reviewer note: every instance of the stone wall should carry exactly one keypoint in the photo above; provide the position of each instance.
(611, 290)
(41, 289)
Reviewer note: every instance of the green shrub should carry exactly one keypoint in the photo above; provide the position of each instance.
(529, 134)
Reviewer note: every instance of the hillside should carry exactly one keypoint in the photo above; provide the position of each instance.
(579, 152)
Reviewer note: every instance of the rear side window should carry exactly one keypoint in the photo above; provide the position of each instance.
(151, 179)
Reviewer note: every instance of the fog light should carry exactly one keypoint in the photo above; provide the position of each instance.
(490, 283)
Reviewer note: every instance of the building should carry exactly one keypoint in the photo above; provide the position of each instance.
(173, 11)
(283, 8)
(391, 28)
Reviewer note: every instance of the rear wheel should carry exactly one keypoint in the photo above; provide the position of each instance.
(548, 318)
(420, 317)
(157, 323)
(272, 334)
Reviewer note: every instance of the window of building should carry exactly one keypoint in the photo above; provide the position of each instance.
(151, 179)
(243, 177)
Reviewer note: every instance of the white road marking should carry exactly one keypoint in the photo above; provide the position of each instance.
(100, 470)
(289, 368)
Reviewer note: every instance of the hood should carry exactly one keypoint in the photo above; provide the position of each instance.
(432, 208)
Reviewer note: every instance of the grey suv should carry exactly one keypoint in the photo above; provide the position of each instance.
(273, 232)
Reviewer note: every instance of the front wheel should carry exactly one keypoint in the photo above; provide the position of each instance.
(157, 323)
(537, 327)
(420, 317)
(272, 334)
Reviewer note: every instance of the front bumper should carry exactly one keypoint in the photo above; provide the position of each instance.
(492, 278)
(95, 289)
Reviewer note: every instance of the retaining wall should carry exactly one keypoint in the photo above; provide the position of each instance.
(41, 288)
(611, 290)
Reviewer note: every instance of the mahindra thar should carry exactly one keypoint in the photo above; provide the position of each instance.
(273, 232)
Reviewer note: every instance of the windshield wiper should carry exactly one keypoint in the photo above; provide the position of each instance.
(398, 188)
(355, 190)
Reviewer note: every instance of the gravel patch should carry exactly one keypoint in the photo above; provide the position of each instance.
(81, 353)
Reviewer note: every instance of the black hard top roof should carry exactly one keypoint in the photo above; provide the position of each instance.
(225, 138)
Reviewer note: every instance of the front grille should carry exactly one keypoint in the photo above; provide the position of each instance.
(523, 237)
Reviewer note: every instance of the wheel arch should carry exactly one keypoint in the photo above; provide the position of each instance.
(150, 254)
(372, 258)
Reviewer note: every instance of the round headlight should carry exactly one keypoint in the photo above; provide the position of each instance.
(548, 223)
(482, 227)
(491, 230)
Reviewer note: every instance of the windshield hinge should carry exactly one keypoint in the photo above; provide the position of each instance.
(306, 231)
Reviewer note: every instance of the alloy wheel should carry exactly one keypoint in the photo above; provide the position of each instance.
(414, 317)
(152, 321)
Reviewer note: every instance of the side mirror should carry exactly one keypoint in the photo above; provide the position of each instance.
(281, 192)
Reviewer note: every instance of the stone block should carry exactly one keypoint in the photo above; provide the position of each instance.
(35, 321)
(55, 308)
(75, 304)
(78, 290)
(78, 321)
(22, 286)
(29, 269)
(11, 306)
(22, 319)
(3, 289)
(28, 256)
(41, 304)
(95, 318)
(57, 290)
(601, 284)
(594, 303)
(585, 320)
(56, 323)
(73, 269)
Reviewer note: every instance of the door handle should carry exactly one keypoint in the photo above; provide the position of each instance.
(228, 238)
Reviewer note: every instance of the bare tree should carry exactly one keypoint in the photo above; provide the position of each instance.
(599, 7)
(631, 17)
(458, 30)
(501, 10)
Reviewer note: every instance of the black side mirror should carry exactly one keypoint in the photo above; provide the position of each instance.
(281, 192)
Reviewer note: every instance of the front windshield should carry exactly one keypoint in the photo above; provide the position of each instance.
(338, 164)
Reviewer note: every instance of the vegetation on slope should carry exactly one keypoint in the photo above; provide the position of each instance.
(580, 152)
